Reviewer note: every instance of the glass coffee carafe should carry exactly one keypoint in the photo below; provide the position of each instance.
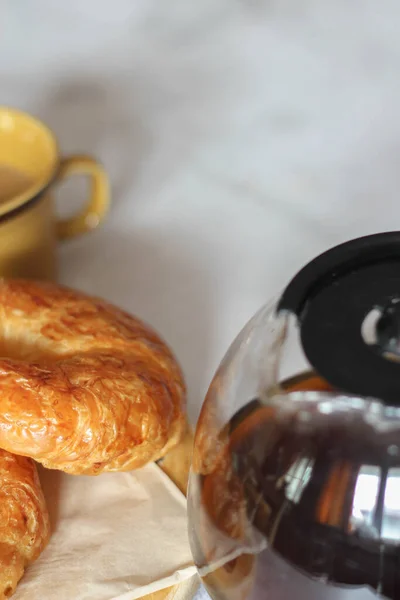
(295, 485)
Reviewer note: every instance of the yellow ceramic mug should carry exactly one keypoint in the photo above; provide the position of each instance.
(30, 166)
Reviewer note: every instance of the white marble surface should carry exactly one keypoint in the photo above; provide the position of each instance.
(241, 136)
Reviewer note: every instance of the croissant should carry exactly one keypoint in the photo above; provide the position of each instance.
(84, 387)
(24, 521)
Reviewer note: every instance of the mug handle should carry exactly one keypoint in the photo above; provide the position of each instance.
(99, 199)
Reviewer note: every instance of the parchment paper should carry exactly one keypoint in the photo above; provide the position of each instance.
(118, 536)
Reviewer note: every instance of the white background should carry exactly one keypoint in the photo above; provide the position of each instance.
(242, 137)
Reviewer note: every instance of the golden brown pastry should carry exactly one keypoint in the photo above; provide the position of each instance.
(84, 387)
(24, 521)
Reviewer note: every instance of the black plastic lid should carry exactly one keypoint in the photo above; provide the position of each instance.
(332, 296)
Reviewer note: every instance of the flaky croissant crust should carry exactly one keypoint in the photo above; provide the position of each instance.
(84, 386)
(24, 521)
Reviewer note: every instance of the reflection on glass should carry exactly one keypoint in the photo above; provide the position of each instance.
(376, 507)
(365, 500)
(391, 513)
(297, 478)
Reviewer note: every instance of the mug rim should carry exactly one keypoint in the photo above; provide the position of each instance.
(36, 189)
